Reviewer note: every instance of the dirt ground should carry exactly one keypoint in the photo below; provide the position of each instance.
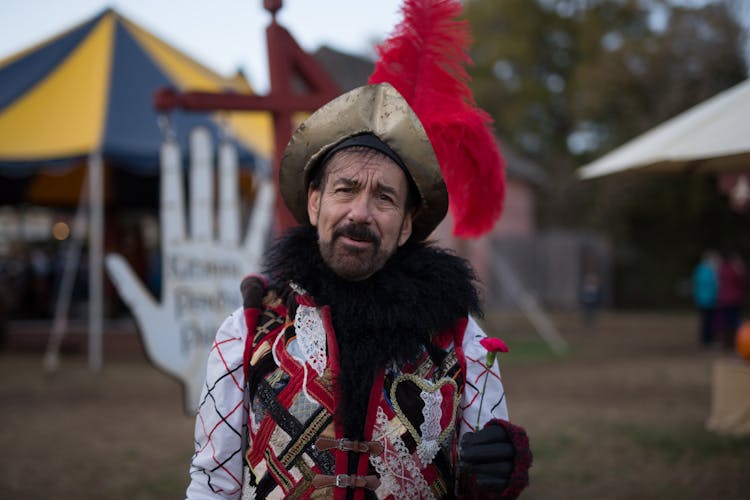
(620, 416)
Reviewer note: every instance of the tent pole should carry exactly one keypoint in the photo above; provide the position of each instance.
(96, 257)
(67, 283)
(504, 274)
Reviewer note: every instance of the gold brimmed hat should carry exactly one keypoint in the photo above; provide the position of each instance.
(373, 109)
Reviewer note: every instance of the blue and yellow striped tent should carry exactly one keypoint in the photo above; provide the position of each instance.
(90, 91)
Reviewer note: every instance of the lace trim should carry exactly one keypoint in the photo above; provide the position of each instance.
(398, 472)
(312, 337)
(430, 428)
(425, 386)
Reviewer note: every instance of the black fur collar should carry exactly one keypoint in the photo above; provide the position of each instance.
(390, 316)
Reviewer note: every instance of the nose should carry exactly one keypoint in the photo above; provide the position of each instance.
(360, 210)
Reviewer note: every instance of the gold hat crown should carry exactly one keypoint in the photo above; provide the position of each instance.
(379, 110)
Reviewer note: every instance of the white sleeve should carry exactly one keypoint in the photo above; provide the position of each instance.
(480, 380)
(221, 423)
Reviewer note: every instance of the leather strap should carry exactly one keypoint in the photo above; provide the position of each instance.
(371, 447)
(346, 481)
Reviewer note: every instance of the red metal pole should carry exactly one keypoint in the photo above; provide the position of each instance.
(280, 88)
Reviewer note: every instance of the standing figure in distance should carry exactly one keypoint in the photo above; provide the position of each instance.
(705, 294)
(731, 295)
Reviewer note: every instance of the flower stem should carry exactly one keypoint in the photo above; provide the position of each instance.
(481, 400)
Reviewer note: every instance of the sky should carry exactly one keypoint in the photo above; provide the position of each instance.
(222, 34)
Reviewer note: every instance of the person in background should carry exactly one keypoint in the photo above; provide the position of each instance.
(705, 294)
(731, 293)
(591, 296)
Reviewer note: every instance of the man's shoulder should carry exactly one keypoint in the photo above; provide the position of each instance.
(264, 307)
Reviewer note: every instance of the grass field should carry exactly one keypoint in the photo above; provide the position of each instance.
(620, 416)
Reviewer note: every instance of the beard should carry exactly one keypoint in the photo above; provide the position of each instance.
(355, 263)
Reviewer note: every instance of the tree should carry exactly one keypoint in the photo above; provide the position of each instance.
(568, 80)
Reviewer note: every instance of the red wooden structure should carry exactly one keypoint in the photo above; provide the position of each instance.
(289, 66)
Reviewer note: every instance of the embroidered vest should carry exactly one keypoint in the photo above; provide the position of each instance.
(290, 362)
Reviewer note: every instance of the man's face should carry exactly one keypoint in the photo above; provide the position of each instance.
(360, 212)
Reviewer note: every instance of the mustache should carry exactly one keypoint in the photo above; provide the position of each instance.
(356, 232)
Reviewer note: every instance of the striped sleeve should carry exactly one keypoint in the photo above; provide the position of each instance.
(221, 422)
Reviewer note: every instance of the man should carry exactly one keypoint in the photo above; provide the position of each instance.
(355, 366)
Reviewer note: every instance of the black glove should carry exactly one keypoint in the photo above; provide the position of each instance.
(494, 461)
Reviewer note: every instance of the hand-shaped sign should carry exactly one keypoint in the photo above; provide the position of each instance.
(200, 273)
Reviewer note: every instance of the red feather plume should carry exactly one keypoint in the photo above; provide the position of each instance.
(424, 59)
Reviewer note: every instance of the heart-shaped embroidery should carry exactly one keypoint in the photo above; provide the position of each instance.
(438, 409)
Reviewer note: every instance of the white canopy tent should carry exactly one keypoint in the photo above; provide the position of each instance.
(711, 136)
